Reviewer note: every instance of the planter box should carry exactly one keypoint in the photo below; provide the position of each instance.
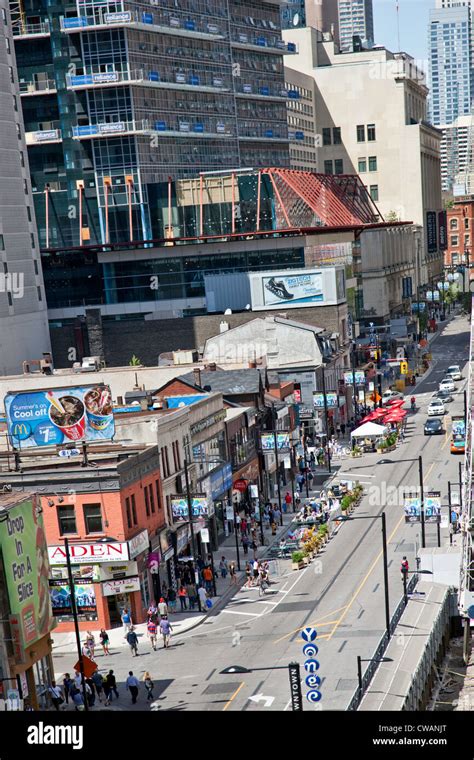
(297, 565)
(306, 560)
(356, 453)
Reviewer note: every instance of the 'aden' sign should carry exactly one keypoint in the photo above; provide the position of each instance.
(106, 552)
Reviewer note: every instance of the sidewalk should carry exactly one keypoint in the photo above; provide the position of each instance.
(185, 621)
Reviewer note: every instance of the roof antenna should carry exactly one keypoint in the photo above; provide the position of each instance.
(398, 24)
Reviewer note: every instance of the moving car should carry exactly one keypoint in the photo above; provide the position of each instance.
(434, 427)
(445, 396)
(447, 385)
(391, 396)
(454, 371)
(436, 408)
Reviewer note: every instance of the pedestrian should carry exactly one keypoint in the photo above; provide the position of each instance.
(77, 680)
(223, 567)
(171, 600)
(287, 502)
(86, 651)
(404, 567)
(192, 594)
(277, 516)
(233, 574)
(77, 698)
(164, 592)
(243, 526)
(274, 528)
(162, 607)
(56, 695)
(126, 622)
(90, 692)
(165, 630)
(107, 692)
(254, 549)
(248, 575)
(148, 686)
(104, 640)
(343, 429)
(112, 683)
(152, 611)
(182, 598)
(245, 543)
(67, 683)
(152, 630)
(202, 597)
(132, 685)
(132, 640)
(98, 682)
(338, 430)
(255, 568)
(207, 575)
(90, 640)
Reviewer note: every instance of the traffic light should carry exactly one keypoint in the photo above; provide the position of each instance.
(403, 368)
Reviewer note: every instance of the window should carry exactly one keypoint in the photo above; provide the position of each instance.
(22, 158)
(455, 258)
(164, 461)
(28, 211)
(336, 135)
(175, 458)
(15, 103)
(328, 167)
(129, 514)
(362, 165)
(36, 266)
(12, 78)
(7, 43)
(2, 243)
(453, 224)
(25, 186)
(134, 510)
(178, 458)
(158, 494)
(338, 166)
(18, 131)
(372, 163)
(32, 238)
(38, 290)
(326, 136)
(374, 192)
(466, 224)
(454, 240)
(467, 239)
(4, 16)
(360, 133)
(147, 502)
(93, 518)
(67, 520)
(152, 499)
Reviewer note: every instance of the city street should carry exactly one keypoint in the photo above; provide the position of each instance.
(340, 592)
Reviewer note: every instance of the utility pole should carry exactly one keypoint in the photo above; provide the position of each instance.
(72, 592)
(450, 524)
(190, 515)
(385, 573)
(325, 401)
(422, 502)
(277, 460)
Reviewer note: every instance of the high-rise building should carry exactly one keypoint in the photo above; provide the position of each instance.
(454, 150)
(321, 15)
(302, 129)
(23, 313)
(119, 95)
(451, 75)
(356, 19)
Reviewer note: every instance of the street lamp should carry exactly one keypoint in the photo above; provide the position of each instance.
(422, 503)
(292, 667)
(404, 579)
(385, 561)
(359, 669)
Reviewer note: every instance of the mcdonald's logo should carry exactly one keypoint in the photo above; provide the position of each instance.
(21, 430)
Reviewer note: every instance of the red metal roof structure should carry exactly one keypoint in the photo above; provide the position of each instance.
(306, 199)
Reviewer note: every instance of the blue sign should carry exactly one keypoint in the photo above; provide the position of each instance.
(310, 650)
(220, 480)
(153, 76)
(470, 611)
(147, 18)
(309, 634)
(293, 94)
(48, 418)
(313, 681)
(313, 696)
(175, 402)
(264, 91)
(311, 665)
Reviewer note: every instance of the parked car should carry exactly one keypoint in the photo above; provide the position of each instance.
(454, 371)
(391, 396)
(447, 385)
(445, 396)
(436, 408)
(434, 427)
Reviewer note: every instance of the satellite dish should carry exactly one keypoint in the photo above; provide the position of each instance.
(181, 403)
(296, 19)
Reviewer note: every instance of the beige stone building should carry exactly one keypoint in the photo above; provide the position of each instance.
(301, 115)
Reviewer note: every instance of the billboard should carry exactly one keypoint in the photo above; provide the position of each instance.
(432, 508)
(53, 417)
(331, 400)
(431, 231)
(359, 377)
(89, 553)
(25, 559)
(60, 594)
(267, 441)
(179, 507)
(294, 289)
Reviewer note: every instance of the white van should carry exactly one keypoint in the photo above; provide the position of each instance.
(454, 371)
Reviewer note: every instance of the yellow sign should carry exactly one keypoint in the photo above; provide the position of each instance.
(403, 368)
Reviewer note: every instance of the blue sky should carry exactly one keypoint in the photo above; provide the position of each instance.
(414, 16)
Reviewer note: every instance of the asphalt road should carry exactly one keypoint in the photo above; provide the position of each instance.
(340, 593)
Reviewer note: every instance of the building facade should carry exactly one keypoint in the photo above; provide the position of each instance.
(23, 310)
(460, 221)
(356, 19)
(117, 96)
(454, 151)
(450, 51)
(302, 123)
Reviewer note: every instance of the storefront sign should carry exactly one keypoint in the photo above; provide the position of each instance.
(106, 552)
(205, 535)
(253, 492)
(60, 593)
(179, 507)
(331, 400)
(79, 572)
(123, 586)
(118, 571)
(183, 537)
(208, 422)
(119, 17)
(431, 233)
(26, 567)
(229, 512)
(153, 562)
(442, 230)
(138, 544)
(219, 481)
(241, 485)
(52, 417)
(165, 541)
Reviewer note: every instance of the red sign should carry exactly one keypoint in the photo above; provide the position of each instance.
(89, 666)
(241, 485)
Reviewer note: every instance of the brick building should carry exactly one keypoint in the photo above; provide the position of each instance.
(460, 220)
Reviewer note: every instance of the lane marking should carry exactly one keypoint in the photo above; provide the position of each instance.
(317, 623)
(234, 612)
(233, 696)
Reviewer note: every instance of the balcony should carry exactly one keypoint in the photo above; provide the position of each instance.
(197, 129)
(261, 92)
(30, 31)
(43, 137)
(181, 81)
(43, 87)
(111, 129)
(157, 21)
(263, 134)
(264, 44)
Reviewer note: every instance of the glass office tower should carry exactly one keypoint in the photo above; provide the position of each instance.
(118, 96)
(356, 18)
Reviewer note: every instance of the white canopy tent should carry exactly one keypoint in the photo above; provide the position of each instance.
(369, 430)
